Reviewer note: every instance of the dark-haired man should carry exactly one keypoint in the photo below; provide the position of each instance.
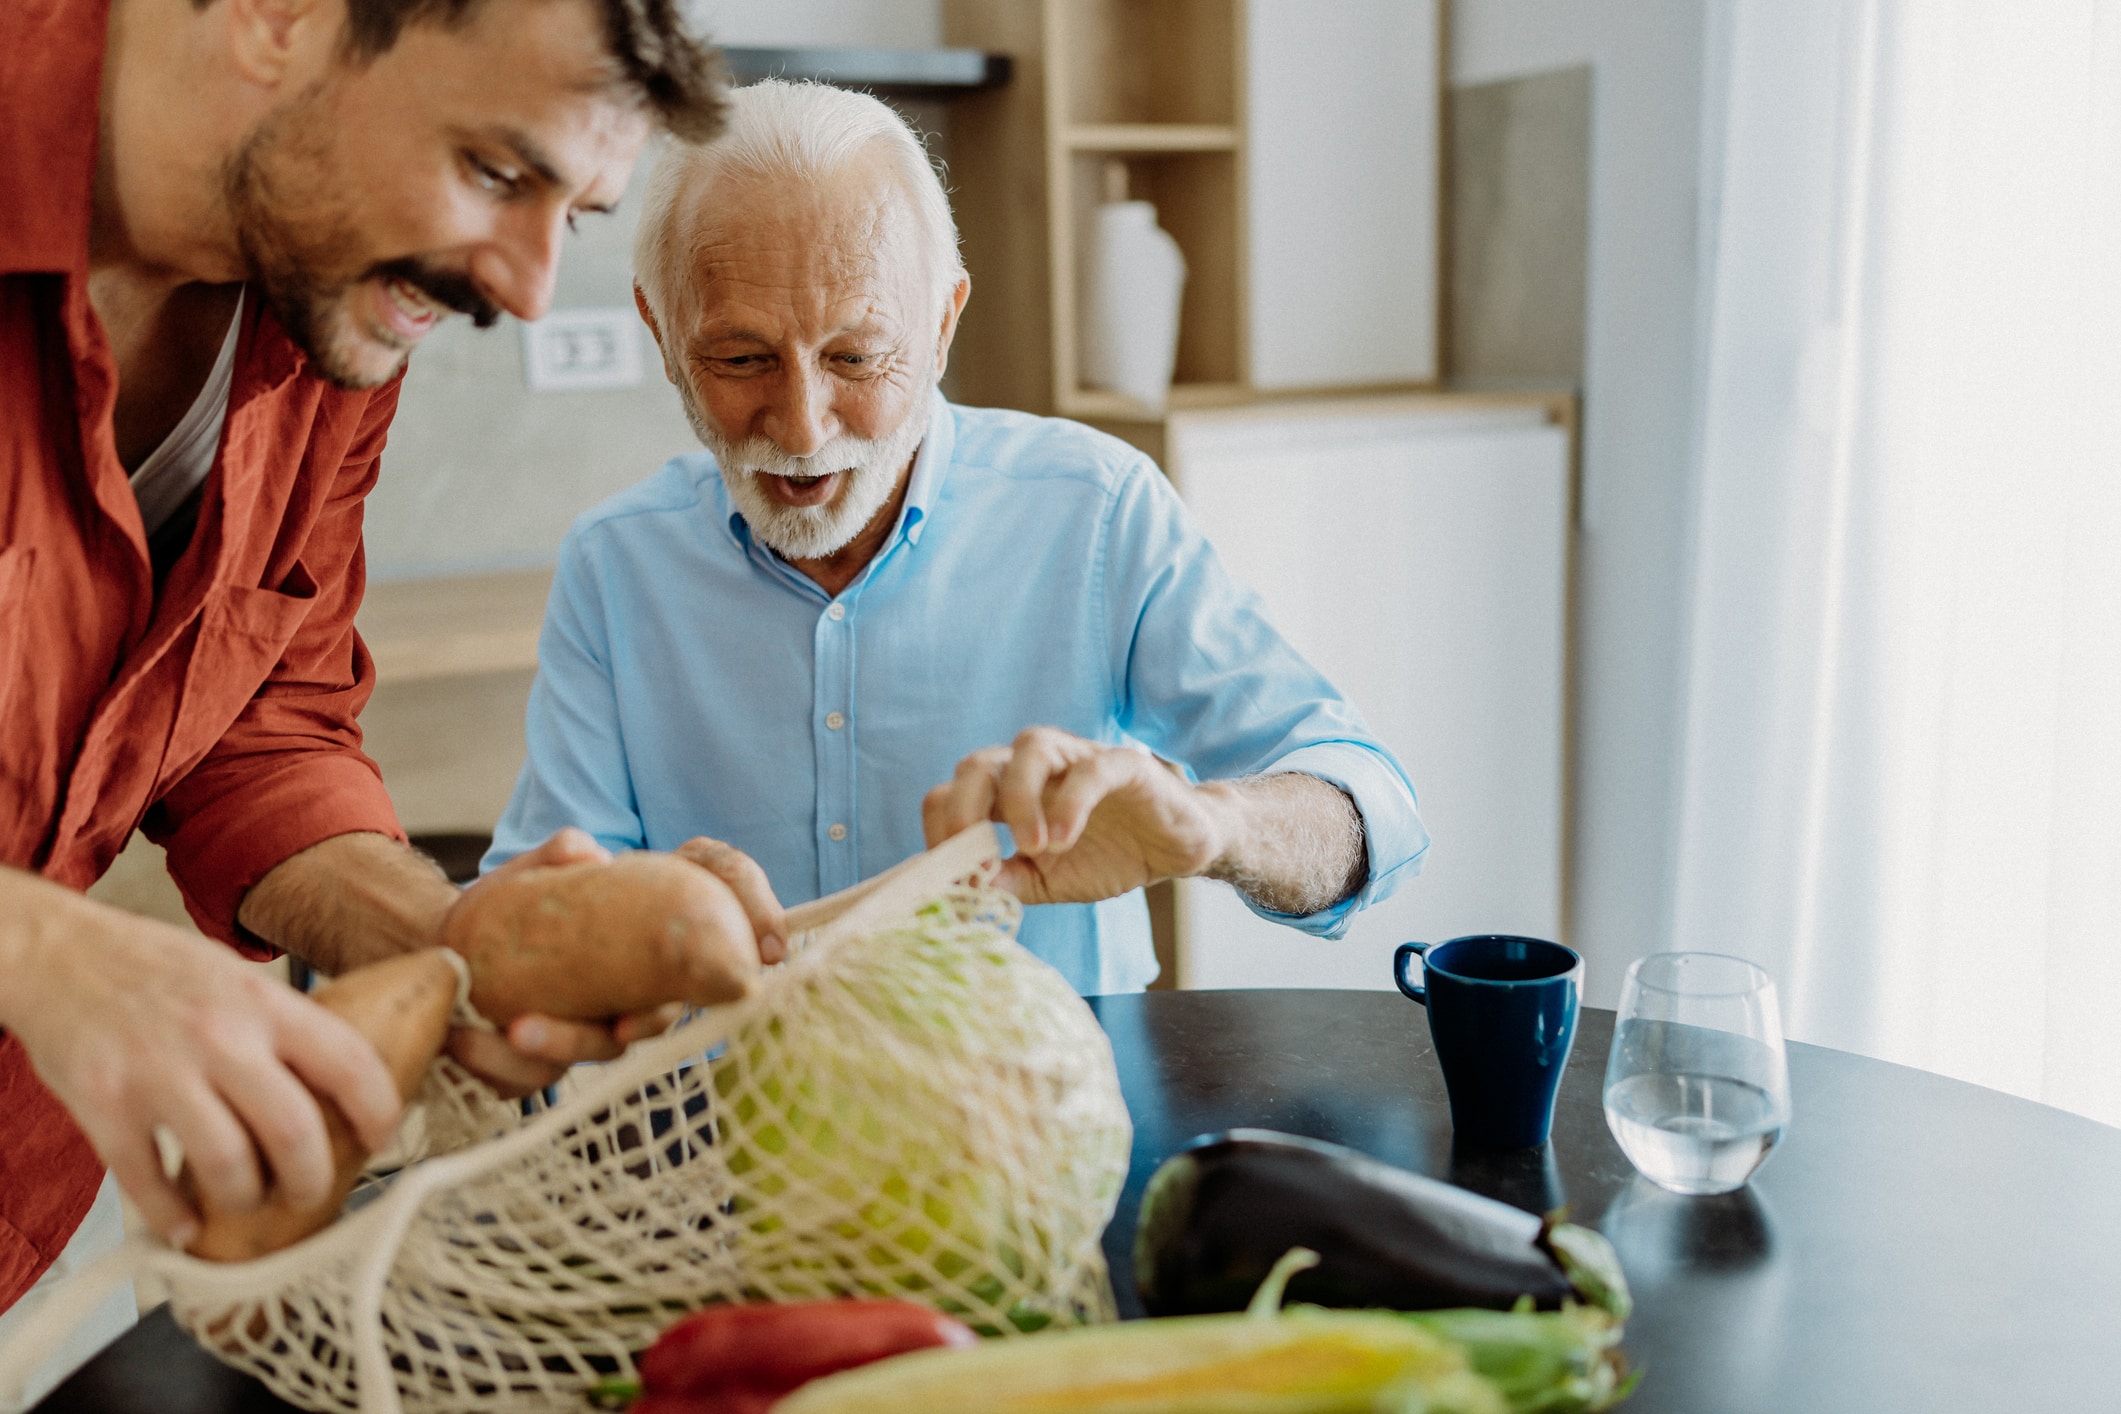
(224, 225)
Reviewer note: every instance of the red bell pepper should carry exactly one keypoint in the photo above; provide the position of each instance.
(741, 1359)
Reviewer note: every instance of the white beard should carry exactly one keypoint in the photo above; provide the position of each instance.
(869, 466)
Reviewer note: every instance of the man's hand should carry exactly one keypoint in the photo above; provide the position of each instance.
(1093, 822)
(137, 1025)
(536, 1050)
(358, 898)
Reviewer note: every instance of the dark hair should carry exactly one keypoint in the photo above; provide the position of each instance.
(676, 73)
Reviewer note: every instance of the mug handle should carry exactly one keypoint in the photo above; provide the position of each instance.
(1399, 970)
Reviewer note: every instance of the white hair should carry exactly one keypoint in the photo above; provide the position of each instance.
(796, 131)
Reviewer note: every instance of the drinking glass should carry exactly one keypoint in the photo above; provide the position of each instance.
(1697, 1089)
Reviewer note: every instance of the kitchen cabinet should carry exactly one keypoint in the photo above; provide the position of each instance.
(1416, 550)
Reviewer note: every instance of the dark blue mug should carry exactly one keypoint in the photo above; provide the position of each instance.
(1502, 1011)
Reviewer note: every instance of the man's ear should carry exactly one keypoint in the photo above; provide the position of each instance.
(284, 44)
(951, 311)
(640, 302)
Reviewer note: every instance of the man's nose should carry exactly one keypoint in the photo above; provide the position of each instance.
(519, 266)
(799, 416)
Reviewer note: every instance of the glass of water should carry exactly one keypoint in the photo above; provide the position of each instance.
(1697, 1089)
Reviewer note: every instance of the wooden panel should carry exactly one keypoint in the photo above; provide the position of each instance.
(1419, 558)
(1150, 61)
(1150, 137)
(1003, 356)
(429, 628)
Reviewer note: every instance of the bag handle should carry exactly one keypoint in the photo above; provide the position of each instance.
(898, 889)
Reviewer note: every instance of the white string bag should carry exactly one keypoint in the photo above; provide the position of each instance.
(912, 1106)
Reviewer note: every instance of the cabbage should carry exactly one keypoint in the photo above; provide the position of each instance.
(930, 1112)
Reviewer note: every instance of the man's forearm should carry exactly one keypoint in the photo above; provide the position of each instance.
(348, 900)
(1295, 842)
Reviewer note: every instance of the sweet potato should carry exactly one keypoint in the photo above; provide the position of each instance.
(603, 939)
(402, 1005)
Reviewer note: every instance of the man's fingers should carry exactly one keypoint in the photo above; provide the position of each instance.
(134, 1161)
(217, 1149)
(769, 921)
(936, 814)
(337, 1062)
(1038, 756)
(966, 798)
(1074, 796)
(506, 1069)
(1017, 876)
(566, 846)
(630, 1029)
(286, 1126)
(561, 1043)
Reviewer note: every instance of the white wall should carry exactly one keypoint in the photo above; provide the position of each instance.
(1647, 59)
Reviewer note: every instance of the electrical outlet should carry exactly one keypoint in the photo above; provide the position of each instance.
(571, 349)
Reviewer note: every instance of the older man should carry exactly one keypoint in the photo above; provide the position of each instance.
(223, 226)
(862, 588)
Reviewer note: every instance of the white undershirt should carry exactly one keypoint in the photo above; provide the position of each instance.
(180, 465)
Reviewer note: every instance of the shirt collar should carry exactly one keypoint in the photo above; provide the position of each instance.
(930, 464)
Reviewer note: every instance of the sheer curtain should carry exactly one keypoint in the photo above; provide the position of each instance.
(1902, 756)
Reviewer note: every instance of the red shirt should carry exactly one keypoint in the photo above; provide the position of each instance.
(219, 718)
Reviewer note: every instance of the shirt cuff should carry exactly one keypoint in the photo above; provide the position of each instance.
(1394, 839)
(220, 852)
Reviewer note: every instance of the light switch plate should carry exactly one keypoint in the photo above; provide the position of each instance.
(571, 349)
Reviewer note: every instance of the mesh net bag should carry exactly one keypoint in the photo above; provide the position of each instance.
(911, 1106)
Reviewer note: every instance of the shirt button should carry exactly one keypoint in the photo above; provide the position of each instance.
(836, 611)
(838, 833)
(834, 721)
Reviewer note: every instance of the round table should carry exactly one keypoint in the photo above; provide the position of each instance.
(1916, 1243)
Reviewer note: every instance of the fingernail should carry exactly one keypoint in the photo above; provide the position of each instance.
(532, 1035)
(182, 1234)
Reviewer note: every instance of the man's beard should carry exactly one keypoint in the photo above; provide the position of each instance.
(870, 467)
(300, 244)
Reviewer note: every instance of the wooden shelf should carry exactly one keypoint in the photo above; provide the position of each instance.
(902, 73)
(457, 627)
(1097, 402)
(1150, 137)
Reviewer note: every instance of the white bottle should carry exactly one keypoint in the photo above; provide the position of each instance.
(1132, 279)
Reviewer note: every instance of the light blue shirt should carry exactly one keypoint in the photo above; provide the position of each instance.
(1041, 573)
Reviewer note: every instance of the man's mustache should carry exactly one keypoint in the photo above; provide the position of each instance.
(444, 287)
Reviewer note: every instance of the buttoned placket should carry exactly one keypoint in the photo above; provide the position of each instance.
(834, 656)
(833, 651)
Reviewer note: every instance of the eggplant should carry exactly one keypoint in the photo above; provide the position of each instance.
(1219, 1213)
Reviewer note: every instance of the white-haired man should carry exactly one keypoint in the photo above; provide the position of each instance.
(860, 588)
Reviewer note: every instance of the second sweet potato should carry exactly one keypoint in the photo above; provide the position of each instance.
(402, 1006)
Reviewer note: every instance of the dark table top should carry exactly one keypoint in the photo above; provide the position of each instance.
(1916, 1244)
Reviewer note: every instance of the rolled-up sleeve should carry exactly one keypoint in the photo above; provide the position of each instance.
(1204, 679)
(574, 770)
(289, 771)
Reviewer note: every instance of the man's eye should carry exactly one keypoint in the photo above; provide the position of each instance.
(491, 178)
